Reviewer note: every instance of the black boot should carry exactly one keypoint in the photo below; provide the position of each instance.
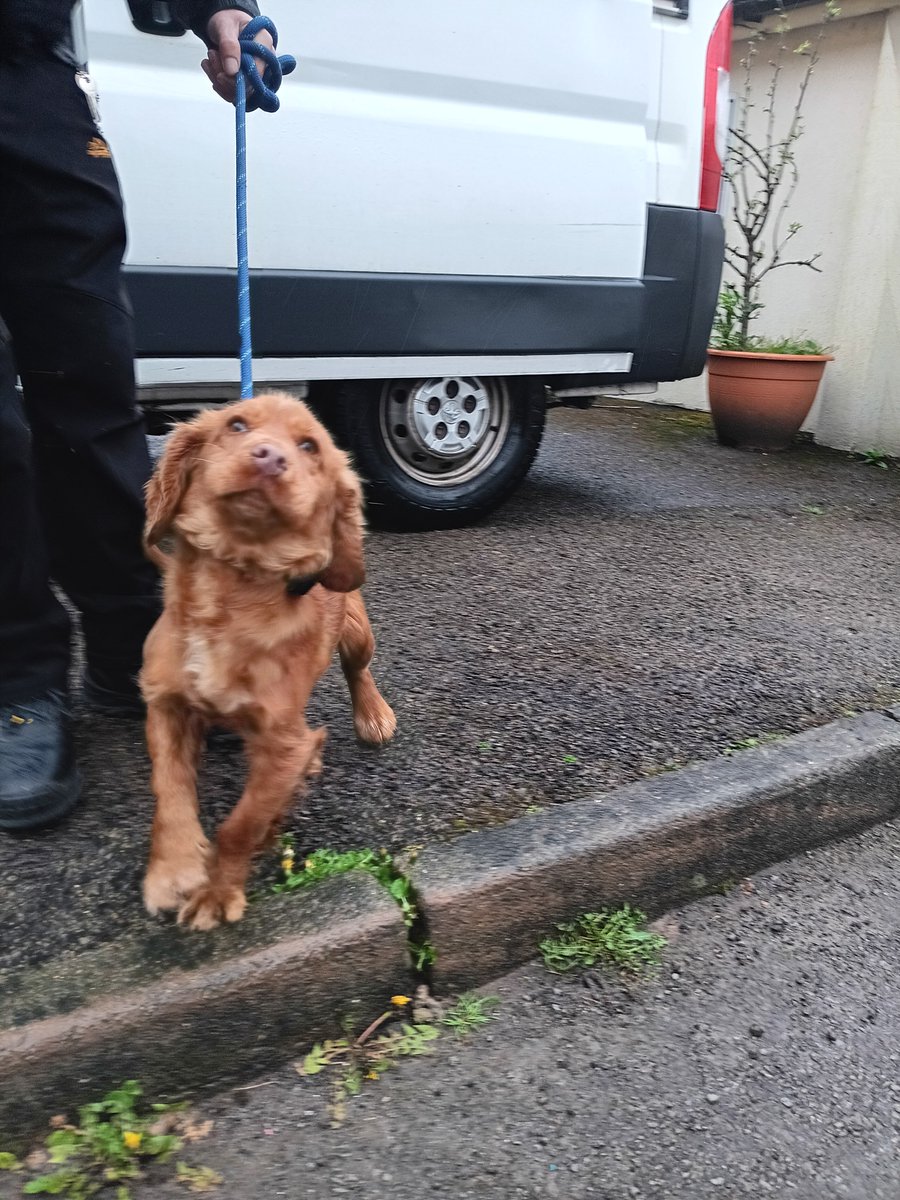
(39, 782)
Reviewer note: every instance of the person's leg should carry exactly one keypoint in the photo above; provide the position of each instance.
(62, 238)
(92, 464)
(38, 779)
(34, 627)
(73, 465)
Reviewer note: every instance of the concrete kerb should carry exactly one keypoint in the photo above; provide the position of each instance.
(488, 897)
(339, 950)
(235, 1004)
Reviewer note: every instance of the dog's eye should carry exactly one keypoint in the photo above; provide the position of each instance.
(308, 445)
(238, 426)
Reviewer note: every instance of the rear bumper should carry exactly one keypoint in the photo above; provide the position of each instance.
(682, 273)
(661, 320)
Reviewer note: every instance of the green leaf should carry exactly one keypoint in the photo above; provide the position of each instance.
(121, 1101)
(413, 1040)
(63, 1144)
(159, 1145)
(353, 1083)
(423, 954)
(315, 1061)
(428, 1032)
(49, 1185)
(198, 1179)
(9, 1162)
(63, 1137)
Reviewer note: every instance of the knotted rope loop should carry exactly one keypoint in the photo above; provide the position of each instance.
(265, 86)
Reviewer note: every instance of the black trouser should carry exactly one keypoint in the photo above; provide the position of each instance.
(73, 458)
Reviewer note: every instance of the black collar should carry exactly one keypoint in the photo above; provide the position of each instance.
(299, 585)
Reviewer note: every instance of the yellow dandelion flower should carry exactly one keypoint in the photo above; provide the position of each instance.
(287, 863)
(400, 1001)
(371, 1075)
(132, 1139)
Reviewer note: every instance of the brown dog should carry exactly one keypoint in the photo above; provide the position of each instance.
(261, 588)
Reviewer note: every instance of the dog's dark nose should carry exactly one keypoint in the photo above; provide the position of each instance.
(269, 460)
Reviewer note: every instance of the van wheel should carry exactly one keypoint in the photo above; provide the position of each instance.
(440, 453)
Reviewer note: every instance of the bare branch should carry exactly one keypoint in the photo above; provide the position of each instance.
(797, 262)
(762, 170)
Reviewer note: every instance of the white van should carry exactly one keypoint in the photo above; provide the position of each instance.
(461, 213)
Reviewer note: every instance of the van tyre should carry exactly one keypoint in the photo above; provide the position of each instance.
(442, 452)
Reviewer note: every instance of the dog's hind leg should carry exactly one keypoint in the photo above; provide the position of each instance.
(373, 717)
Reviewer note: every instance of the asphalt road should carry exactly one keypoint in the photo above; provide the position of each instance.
(648, 598)
(760, 1061)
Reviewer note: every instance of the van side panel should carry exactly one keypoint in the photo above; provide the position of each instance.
(517, 178)
(501, 139)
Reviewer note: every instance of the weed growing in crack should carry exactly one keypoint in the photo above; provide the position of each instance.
(470, 1012)
(875, 458)
(612, 937)
(327, 864)
(423, 955)
(109, 1147)
(368, 1056)
(354, 1061)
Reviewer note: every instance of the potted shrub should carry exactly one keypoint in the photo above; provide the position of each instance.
(761, 389)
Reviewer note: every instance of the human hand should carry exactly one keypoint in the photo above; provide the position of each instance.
(224, 58)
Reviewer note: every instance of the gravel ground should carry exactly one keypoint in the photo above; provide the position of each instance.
(648, 598)
(760, 1061)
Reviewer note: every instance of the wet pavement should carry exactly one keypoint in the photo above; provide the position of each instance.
(761, 1060)
(648, 598)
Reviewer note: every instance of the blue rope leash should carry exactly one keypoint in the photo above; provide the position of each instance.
(262, 96)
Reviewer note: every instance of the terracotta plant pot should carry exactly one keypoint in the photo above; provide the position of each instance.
(759, 401)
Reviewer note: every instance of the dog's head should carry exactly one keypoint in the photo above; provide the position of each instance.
(261, 485)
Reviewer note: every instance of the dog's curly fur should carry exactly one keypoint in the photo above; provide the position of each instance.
(253, 496)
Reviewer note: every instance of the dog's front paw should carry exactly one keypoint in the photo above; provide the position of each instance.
(171, 878)
(212, 904)
(374, 721)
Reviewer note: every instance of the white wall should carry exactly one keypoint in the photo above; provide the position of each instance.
(848, 201)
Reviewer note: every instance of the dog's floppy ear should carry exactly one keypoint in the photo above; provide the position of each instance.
(346, 571)
(169, 482)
